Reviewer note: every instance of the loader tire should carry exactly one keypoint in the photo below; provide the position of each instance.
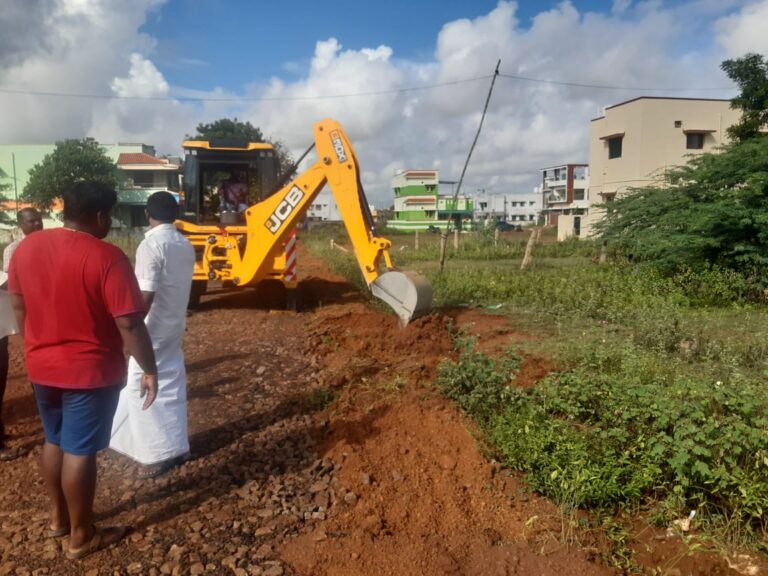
(292, 299)
(196, 291)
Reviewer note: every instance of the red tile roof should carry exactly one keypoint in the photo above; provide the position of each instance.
(138, 158)
(418, 173)
(7, 205)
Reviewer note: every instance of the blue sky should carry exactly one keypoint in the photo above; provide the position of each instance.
(205, 44)
(202, 44)
(275, 64)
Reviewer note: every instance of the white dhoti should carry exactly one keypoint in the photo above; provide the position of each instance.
(159, 433)
(164, 264)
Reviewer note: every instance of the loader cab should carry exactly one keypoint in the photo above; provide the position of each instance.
(208, 164)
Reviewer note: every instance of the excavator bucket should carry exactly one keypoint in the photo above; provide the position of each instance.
(408, 293)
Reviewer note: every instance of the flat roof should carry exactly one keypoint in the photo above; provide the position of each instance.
(564, 165)
(660, 98)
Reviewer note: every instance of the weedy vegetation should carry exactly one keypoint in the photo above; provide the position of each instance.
(660, 403)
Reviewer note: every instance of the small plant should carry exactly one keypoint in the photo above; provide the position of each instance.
(319, 398)
(476, 382)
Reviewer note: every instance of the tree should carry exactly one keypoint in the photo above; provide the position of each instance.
(70, 161)
(751, 74)
(4, 187)
(226, 128)
(713, 211)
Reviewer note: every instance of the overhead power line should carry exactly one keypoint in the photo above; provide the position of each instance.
(605, 87)
(55, 94)
(240, 98)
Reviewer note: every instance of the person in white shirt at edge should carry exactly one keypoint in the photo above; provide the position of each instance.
(29, 221)
(157, 439)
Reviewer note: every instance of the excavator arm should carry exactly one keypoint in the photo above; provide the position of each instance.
(269, 223)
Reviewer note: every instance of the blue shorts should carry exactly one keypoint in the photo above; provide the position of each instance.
(78, 421)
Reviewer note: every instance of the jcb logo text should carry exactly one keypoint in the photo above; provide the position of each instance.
(338, 146)
(284, 209)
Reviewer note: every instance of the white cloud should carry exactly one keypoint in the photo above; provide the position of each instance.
(620, 6)
(529, 125)
(144, 79)
(745, 31)
(86, 44)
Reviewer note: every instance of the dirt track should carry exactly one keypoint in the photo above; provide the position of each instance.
(386, 479)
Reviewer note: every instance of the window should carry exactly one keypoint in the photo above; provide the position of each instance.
(694, 141)
(142, 178)
(614, 147)
(678, 123)
(578, 193)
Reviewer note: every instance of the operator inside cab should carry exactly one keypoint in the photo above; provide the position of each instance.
(233, 194)
(222, 177)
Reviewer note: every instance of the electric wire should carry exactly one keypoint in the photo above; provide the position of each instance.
(55, 94)
(606, 87)
(241, 98)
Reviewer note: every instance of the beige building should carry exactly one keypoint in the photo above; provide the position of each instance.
(635, 142)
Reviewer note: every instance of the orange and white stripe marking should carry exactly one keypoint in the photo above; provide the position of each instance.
(290, 258)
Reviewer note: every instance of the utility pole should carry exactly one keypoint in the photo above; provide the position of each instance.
(444, 235)
(15, 181)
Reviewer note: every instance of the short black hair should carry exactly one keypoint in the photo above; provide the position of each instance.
(86, 198)
(32, 211)
(162, 206)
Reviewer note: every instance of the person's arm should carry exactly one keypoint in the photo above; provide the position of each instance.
(148, 297)
(17, 303)
(125, 303)
(149, 269)
(7, 253)
(137, 342)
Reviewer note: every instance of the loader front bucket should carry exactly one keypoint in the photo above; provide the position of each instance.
(408, 293)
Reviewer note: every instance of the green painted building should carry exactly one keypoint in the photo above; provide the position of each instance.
(419, 205)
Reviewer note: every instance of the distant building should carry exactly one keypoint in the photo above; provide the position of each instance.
(490, 207)
(522, 209)
(142, 174)
(419, 205)
(323, 209)
(634, 143)
(565, 197)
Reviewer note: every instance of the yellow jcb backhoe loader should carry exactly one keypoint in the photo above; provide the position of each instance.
(246, 248)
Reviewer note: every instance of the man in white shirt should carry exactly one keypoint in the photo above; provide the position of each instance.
(157, 439)
(29, 221)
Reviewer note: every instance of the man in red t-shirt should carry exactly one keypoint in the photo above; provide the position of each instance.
(78, 303)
